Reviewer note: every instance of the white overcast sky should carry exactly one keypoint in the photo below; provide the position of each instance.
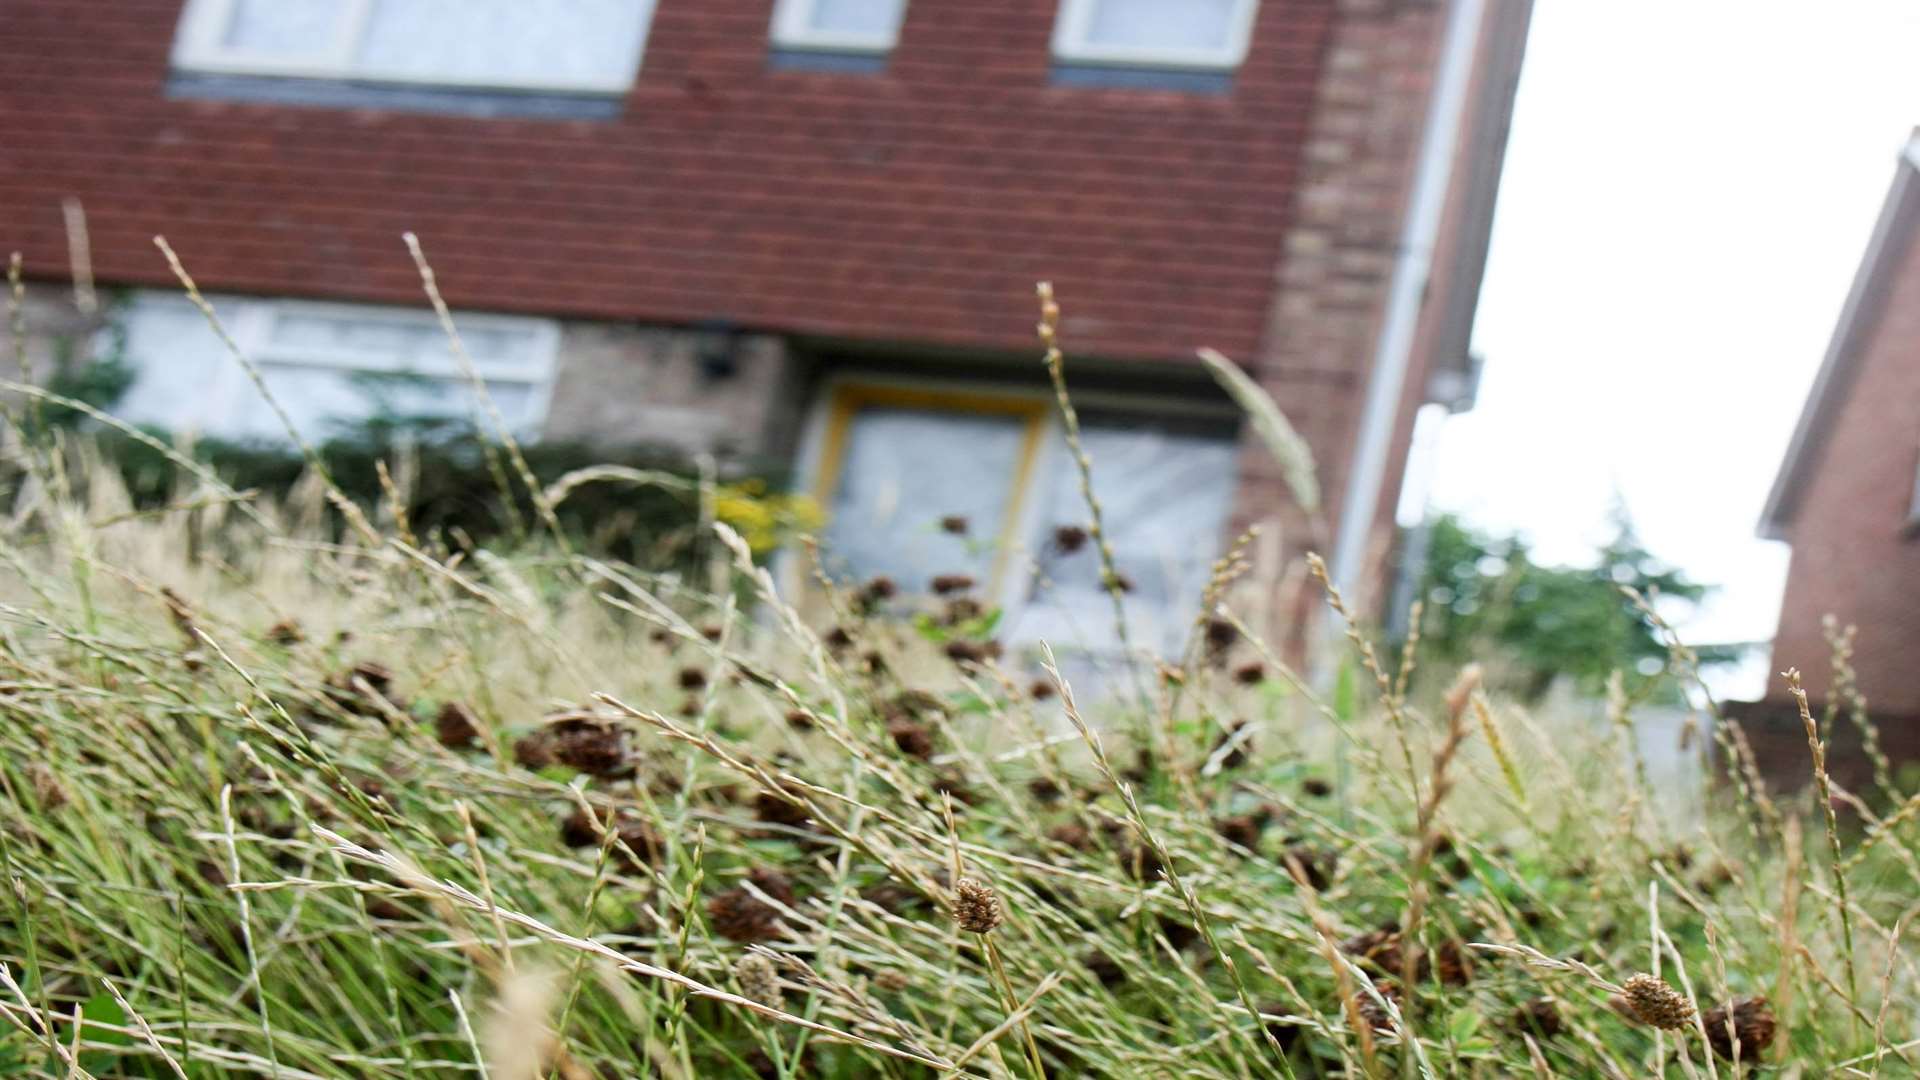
(1688, 189)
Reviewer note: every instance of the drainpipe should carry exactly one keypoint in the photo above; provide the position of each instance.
(1386, 384)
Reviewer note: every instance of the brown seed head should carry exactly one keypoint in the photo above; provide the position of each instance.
(912, 738)
(893, 897)
(1651, 1001)
(46, 787)
(637, 841)
(1236, 745)
(1069, 538)
(374, 674)
(1041, 690)
(1453, 963)
(455, 726)
(955, 524)
(593, 747)
(976, 907)
(1317, 864)
(1753, 1026)
(692, 678)
(533, 751)
(962, 651)
(1251, 673)
(1071, 834)
(1142, 863)
(1220, 635)
(1316, 787)
(578, 830)
(1371, 1011)
(949, 584)
(744, 917)
(961, 609)
(1241, 829)
(1540, 1015)
(286, 632)
(757, 979)
(777, 808)
(1104, 968)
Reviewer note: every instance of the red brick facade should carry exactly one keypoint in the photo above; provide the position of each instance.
(915, 206)
(1340, 247)
(919, 204)
(1846, 498)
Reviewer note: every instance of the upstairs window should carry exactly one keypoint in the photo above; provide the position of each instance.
(570, 46)
(849, 26)
(332, 367)
(1200, 35)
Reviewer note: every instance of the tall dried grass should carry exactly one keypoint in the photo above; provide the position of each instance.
(288, 799)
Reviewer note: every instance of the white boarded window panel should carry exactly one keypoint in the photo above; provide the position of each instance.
(876, 17)
(1169, 24)
(479, 41)
(290, 28)
(848, 25)
(1165, 495)
(902, 471)
(330, 366)
(589, 46)
(1205, 34)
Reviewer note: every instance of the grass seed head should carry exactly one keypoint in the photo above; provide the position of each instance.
(757, 978)
(1650, 1000)
(976, 907)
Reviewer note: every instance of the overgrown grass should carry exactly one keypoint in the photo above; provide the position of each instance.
(292, 794)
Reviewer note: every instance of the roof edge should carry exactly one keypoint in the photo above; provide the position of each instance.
(1891, 231)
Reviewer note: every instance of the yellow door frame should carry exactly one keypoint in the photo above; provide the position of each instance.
(849, 398)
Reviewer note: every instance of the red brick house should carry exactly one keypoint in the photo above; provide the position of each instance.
(805, 230)
(1847, 497)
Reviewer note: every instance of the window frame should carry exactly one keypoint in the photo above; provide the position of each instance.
(1075, 18)
(842, 395)
(792, 29)
(197, 48)
(1910, 528)
(251, 321)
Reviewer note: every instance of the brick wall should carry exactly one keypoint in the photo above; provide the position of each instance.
(1339, 250)
(919, 204)
(619, 384)
(57, 332)
(1852, 553)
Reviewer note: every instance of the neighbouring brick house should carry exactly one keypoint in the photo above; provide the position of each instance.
(1847, 498)
(805, 231)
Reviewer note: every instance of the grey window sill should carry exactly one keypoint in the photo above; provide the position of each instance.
(347, 94)
(1098, 76)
